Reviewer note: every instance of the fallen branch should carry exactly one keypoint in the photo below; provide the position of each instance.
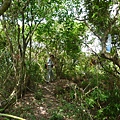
(11, 116)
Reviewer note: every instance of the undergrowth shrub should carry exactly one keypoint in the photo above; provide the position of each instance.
(56, 116)
(38, 95)
(99, 98)
(75, 110)
(34, 72)
(33, 75)
(110, 110)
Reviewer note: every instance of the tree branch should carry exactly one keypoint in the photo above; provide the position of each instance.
(4, 6)
(92, 30)
(11, 116)
(114, 58)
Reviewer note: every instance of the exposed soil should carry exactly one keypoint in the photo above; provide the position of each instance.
(43, 105)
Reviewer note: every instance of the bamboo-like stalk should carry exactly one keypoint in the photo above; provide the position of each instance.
(11, 116)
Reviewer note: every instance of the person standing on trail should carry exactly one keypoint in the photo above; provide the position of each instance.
(49, 66)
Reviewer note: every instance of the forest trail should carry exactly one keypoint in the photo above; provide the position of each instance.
(44, 105)
(50, 103)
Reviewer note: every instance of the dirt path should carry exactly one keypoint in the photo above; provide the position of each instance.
(41, 104)
(50, 103)
(31, 108)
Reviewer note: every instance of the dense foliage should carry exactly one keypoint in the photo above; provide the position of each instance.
(30, 29)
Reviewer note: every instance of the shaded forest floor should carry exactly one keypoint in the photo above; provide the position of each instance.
(42, 104)
(63, 100)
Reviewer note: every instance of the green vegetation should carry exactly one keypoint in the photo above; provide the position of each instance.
(87, 83)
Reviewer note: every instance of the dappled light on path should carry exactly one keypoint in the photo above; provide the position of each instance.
(31, 108)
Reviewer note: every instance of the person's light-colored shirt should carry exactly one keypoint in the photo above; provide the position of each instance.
(49, 62)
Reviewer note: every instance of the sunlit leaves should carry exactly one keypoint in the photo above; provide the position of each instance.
(98, 13)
